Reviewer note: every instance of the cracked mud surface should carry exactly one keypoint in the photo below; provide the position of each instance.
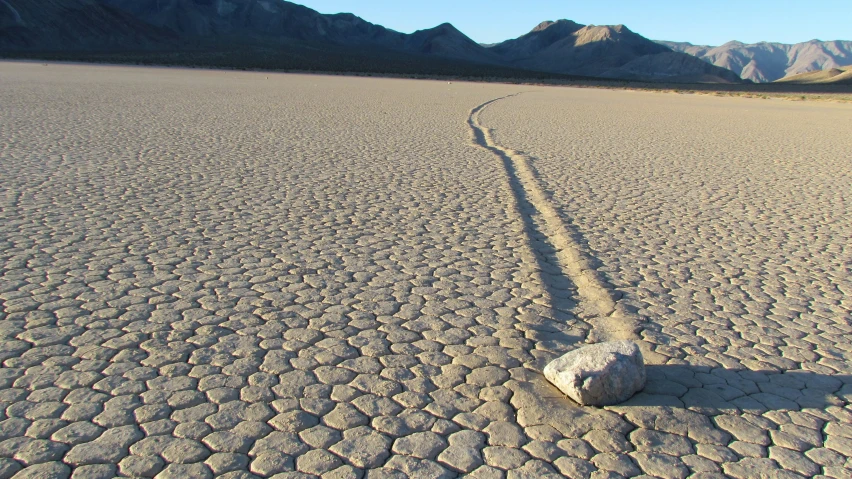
(721, 223)
(219, 274)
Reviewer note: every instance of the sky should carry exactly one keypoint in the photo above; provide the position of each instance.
(699, 22)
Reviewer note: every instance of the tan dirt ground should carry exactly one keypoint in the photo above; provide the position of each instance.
(265, 275)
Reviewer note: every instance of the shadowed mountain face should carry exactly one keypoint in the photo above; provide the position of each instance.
(561, 47)
(603, 51)
(446, 41)
(74, 24)
(256, 19)
(767, 62)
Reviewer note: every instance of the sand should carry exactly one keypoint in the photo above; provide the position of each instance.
(248, 274)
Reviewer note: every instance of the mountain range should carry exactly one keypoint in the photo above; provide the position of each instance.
(280, 34)
(767, 62)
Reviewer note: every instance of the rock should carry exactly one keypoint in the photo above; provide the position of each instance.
(599, 374)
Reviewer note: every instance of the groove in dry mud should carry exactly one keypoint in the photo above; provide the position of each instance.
(598, 300)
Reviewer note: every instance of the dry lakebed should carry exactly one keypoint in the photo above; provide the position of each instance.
(243, 274)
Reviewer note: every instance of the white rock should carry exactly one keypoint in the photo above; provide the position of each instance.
(599, 374)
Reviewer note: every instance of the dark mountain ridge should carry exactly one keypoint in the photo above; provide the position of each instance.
(74, 25)
(256, 19)
(447, 41)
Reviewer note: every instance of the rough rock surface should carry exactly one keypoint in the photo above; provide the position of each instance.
(600, 374)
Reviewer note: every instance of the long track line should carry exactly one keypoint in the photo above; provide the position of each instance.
(598, 300)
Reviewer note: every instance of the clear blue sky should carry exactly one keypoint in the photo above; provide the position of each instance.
(705, 22)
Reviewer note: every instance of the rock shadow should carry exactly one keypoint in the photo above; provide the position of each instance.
(732, 391)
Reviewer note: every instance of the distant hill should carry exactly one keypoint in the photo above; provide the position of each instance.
(767, 62)
(446, 41)
(836, 76)
(278, 34)
(564, 46)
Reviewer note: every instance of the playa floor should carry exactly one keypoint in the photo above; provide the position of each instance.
(243, 274)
